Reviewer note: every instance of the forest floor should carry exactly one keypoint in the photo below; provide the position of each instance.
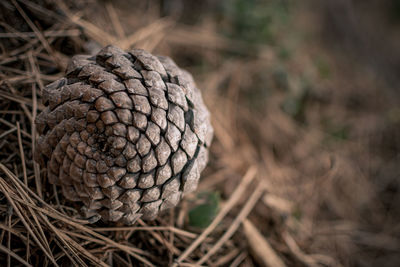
(304, 167)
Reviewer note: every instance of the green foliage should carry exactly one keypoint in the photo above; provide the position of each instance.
(280, 77)
(297, 214)
(284, 53)
(255, 21)
(256, 96)
(336, 131)
(394, 10)
(202, 215)
(393, 115)
(323, 68)
(341, 133)
(295, 103)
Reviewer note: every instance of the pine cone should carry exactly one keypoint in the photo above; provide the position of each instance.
(127, 134)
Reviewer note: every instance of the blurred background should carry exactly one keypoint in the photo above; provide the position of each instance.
(306, 92)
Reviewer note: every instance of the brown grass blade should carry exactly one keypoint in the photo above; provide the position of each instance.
(261, 247)
(39, 35)
(252, 200)
(240, 189)
(5, 190)
(152, 29)
(119, 30)
(22, 154)
(15, 256)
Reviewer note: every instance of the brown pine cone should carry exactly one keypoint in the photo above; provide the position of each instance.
(127, 134)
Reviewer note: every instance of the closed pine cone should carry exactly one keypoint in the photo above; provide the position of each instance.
(127, 134)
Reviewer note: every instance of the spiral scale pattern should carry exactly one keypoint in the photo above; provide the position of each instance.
(125, 133)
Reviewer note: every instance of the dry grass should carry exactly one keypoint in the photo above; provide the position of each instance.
(293, 193)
